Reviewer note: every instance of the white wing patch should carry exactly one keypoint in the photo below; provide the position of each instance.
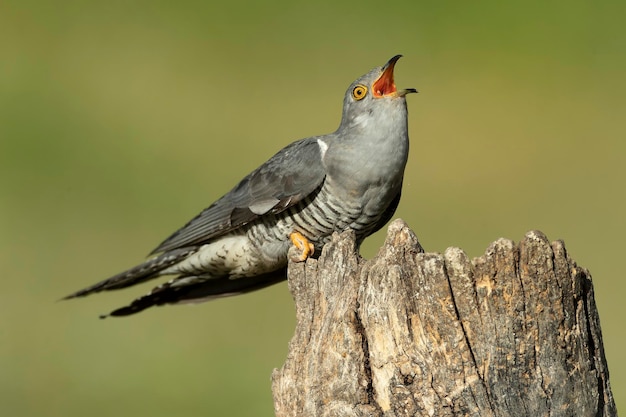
(263, 206)
(323, 147)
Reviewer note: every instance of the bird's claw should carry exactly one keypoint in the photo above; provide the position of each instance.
(301, 243)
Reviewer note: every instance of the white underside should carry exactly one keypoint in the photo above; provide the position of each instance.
(230, 254)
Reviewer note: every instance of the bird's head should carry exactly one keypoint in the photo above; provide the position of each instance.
(374, 95)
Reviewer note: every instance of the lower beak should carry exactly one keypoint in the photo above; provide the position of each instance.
(402, 93)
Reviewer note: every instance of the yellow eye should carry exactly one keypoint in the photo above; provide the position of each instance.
(359, 92)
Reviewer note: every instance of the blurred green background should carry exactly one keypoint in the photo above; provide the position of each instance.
(119, 121)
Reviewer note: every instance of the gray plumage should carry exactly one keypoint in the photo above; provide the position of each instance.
(349, 179)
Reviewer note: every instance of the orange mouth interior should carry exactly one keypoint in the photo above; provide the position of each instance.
(384, 85)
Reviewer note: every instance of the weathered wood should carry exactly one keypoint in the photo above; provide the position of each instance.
(514, 332)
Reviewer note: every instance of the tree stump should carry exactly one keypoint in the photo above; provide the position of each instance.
(514, 332)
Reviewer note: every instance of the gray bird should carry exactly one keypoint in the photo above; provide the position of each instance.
(349, 179)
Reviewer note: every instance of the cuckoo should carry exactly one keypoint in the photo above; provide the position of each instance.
(349, 179)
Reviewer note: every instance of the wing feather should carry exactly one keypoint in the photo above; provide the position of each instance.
(285, 179)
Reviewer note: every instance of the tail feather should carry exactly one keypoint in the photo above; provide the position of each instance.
(188, 289)
(140, 273)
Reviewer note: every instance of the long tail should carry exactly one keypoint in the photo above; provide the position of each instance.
(143, 272)
(193, 289)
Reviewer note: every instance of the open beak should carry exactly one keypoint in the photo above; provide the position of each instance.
(384, 85)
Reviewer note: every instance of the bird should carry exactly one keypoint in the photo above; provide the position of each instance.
(349, 179)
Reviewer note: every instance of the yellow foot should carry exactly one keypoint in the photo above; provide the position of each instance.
(301, 243)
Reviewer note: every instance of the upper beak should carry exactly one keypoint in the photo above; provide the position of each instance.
(384, 85)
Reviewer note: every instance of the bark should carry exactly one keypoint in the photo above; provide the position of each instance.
(514, 332)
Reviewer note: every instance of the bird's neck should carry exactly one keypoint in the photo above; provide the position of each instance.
(372, 152)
